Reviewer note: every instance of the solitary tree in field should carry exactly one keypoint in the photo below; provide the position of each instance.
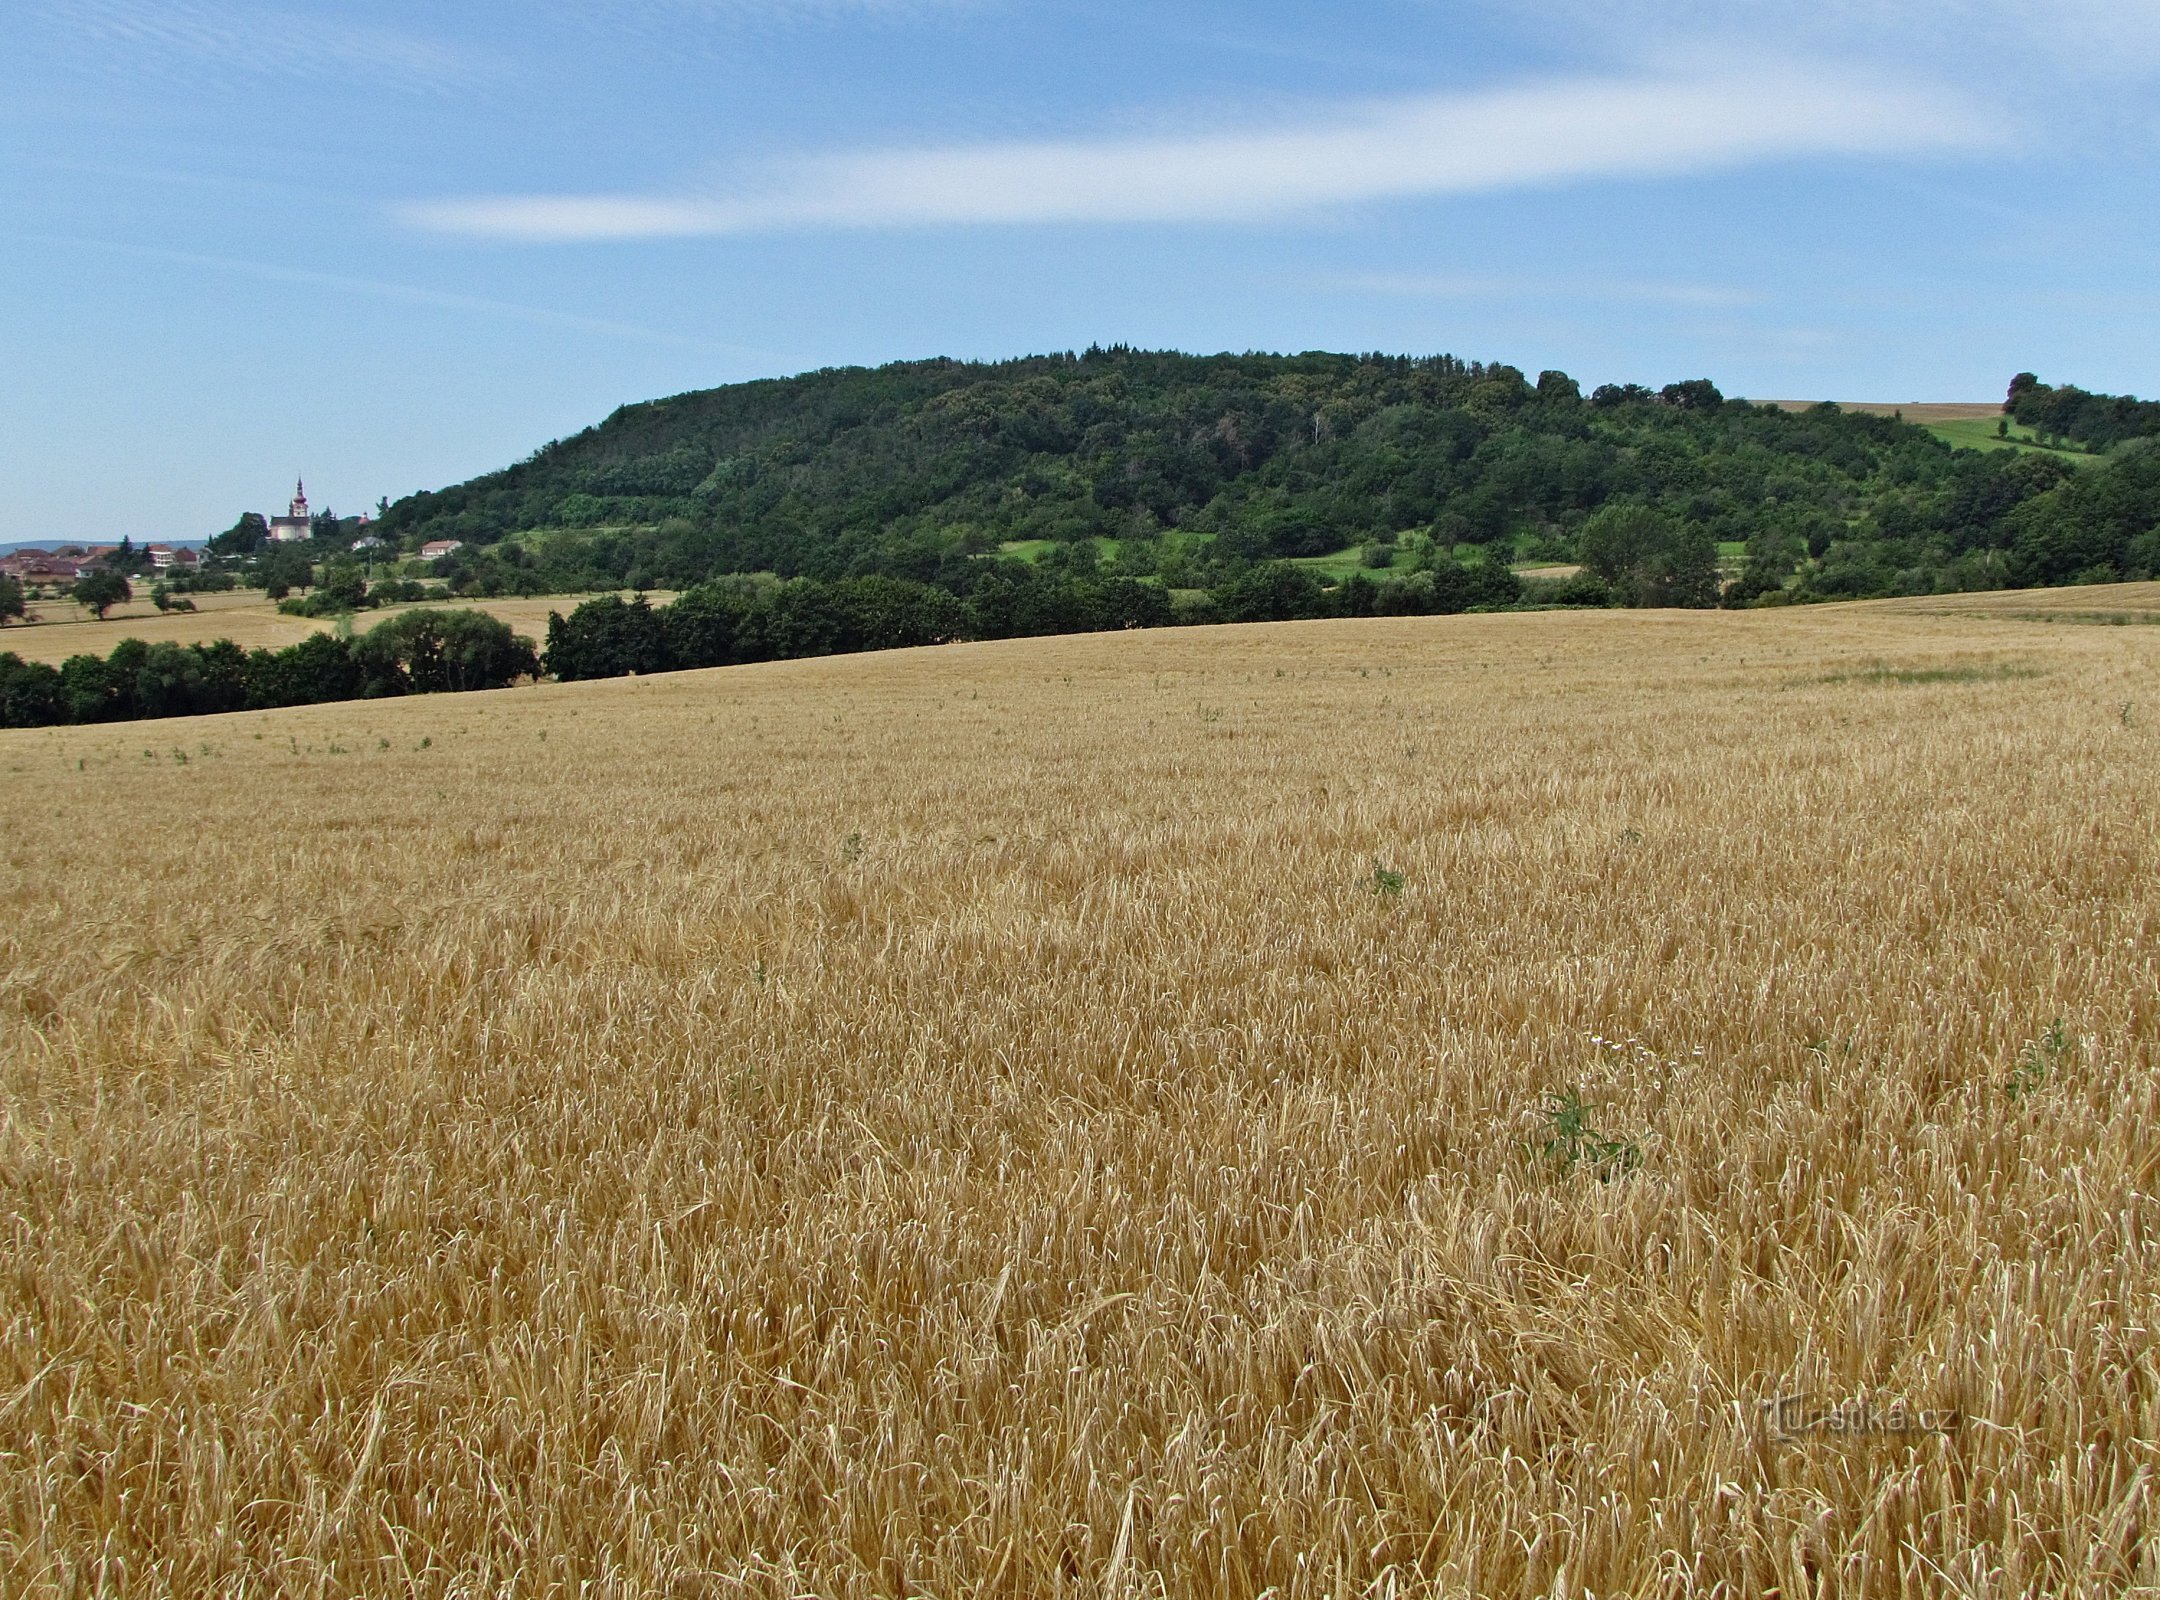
(11, 598)
(1648, 558)
(101, 591)
(284, 570)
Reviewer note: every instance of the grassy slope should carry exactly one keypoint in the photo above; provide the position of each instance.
(973, 1118)
(1978, 433)
(1962, 425)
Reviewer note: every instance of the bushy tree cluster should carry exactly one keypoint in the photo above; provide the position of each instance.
(2093, 420)
(420, 652)
(1647, 558)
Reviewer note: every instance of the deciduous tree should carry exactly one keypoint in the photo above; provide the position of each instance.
(101, 590)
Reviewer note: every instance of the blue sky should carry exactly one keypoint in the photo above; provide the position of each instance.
(392, 245)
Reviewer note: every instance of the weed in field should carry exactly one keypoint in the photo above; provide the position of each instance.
(1386, 881)
(1571, 1140)
(2040, 1061)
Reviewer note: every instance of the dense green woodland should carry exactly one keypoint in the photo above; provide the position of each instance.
(931, 501)
(1189, 470)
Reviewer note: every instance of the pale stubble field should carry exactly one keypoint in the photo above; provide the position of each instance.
(1076, 1117)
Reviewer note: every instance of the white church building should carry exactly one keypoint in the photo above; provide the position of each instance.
(294, 525)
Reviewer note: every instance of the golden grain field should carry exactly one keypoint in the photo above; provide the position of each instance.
(1078, 1117)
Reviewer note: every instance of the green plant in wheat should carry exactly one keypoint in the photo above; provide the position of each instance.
(2039, 1061)
(1386, 881)
(1572, 1141)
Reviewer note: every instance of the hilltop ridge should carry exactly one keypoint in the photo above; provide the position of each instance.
(1185, 469)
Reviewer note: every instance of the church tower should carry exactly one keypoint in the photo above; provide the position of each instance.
(294, 525)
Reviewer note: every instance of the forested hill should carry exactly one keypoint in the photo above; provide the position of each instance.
(1190, 468)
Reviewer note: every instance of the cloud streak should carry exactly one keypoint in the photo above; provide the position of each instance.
(401, 293)
(169, 37)
(1657, 124)
(1978, 40)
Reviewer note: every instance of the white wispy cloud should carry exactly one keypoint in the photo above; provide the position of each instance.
(2014, 50)
(400, 293)
(167, 38)
(1703, 118)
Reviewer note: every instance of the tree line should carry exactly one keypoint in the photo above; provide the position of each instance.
(732, 622)
(1635, 556)
(421, 652)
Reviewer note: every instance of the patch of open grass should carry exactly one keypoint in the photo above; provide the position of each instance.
(1978, 433)
(2090, 619)
(1968, 672)
(1032, 550)
(1336, 565)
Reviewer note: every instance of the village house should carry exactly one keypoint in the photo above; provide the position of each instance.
(171, 558)
(36, 569)
(436, 549)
